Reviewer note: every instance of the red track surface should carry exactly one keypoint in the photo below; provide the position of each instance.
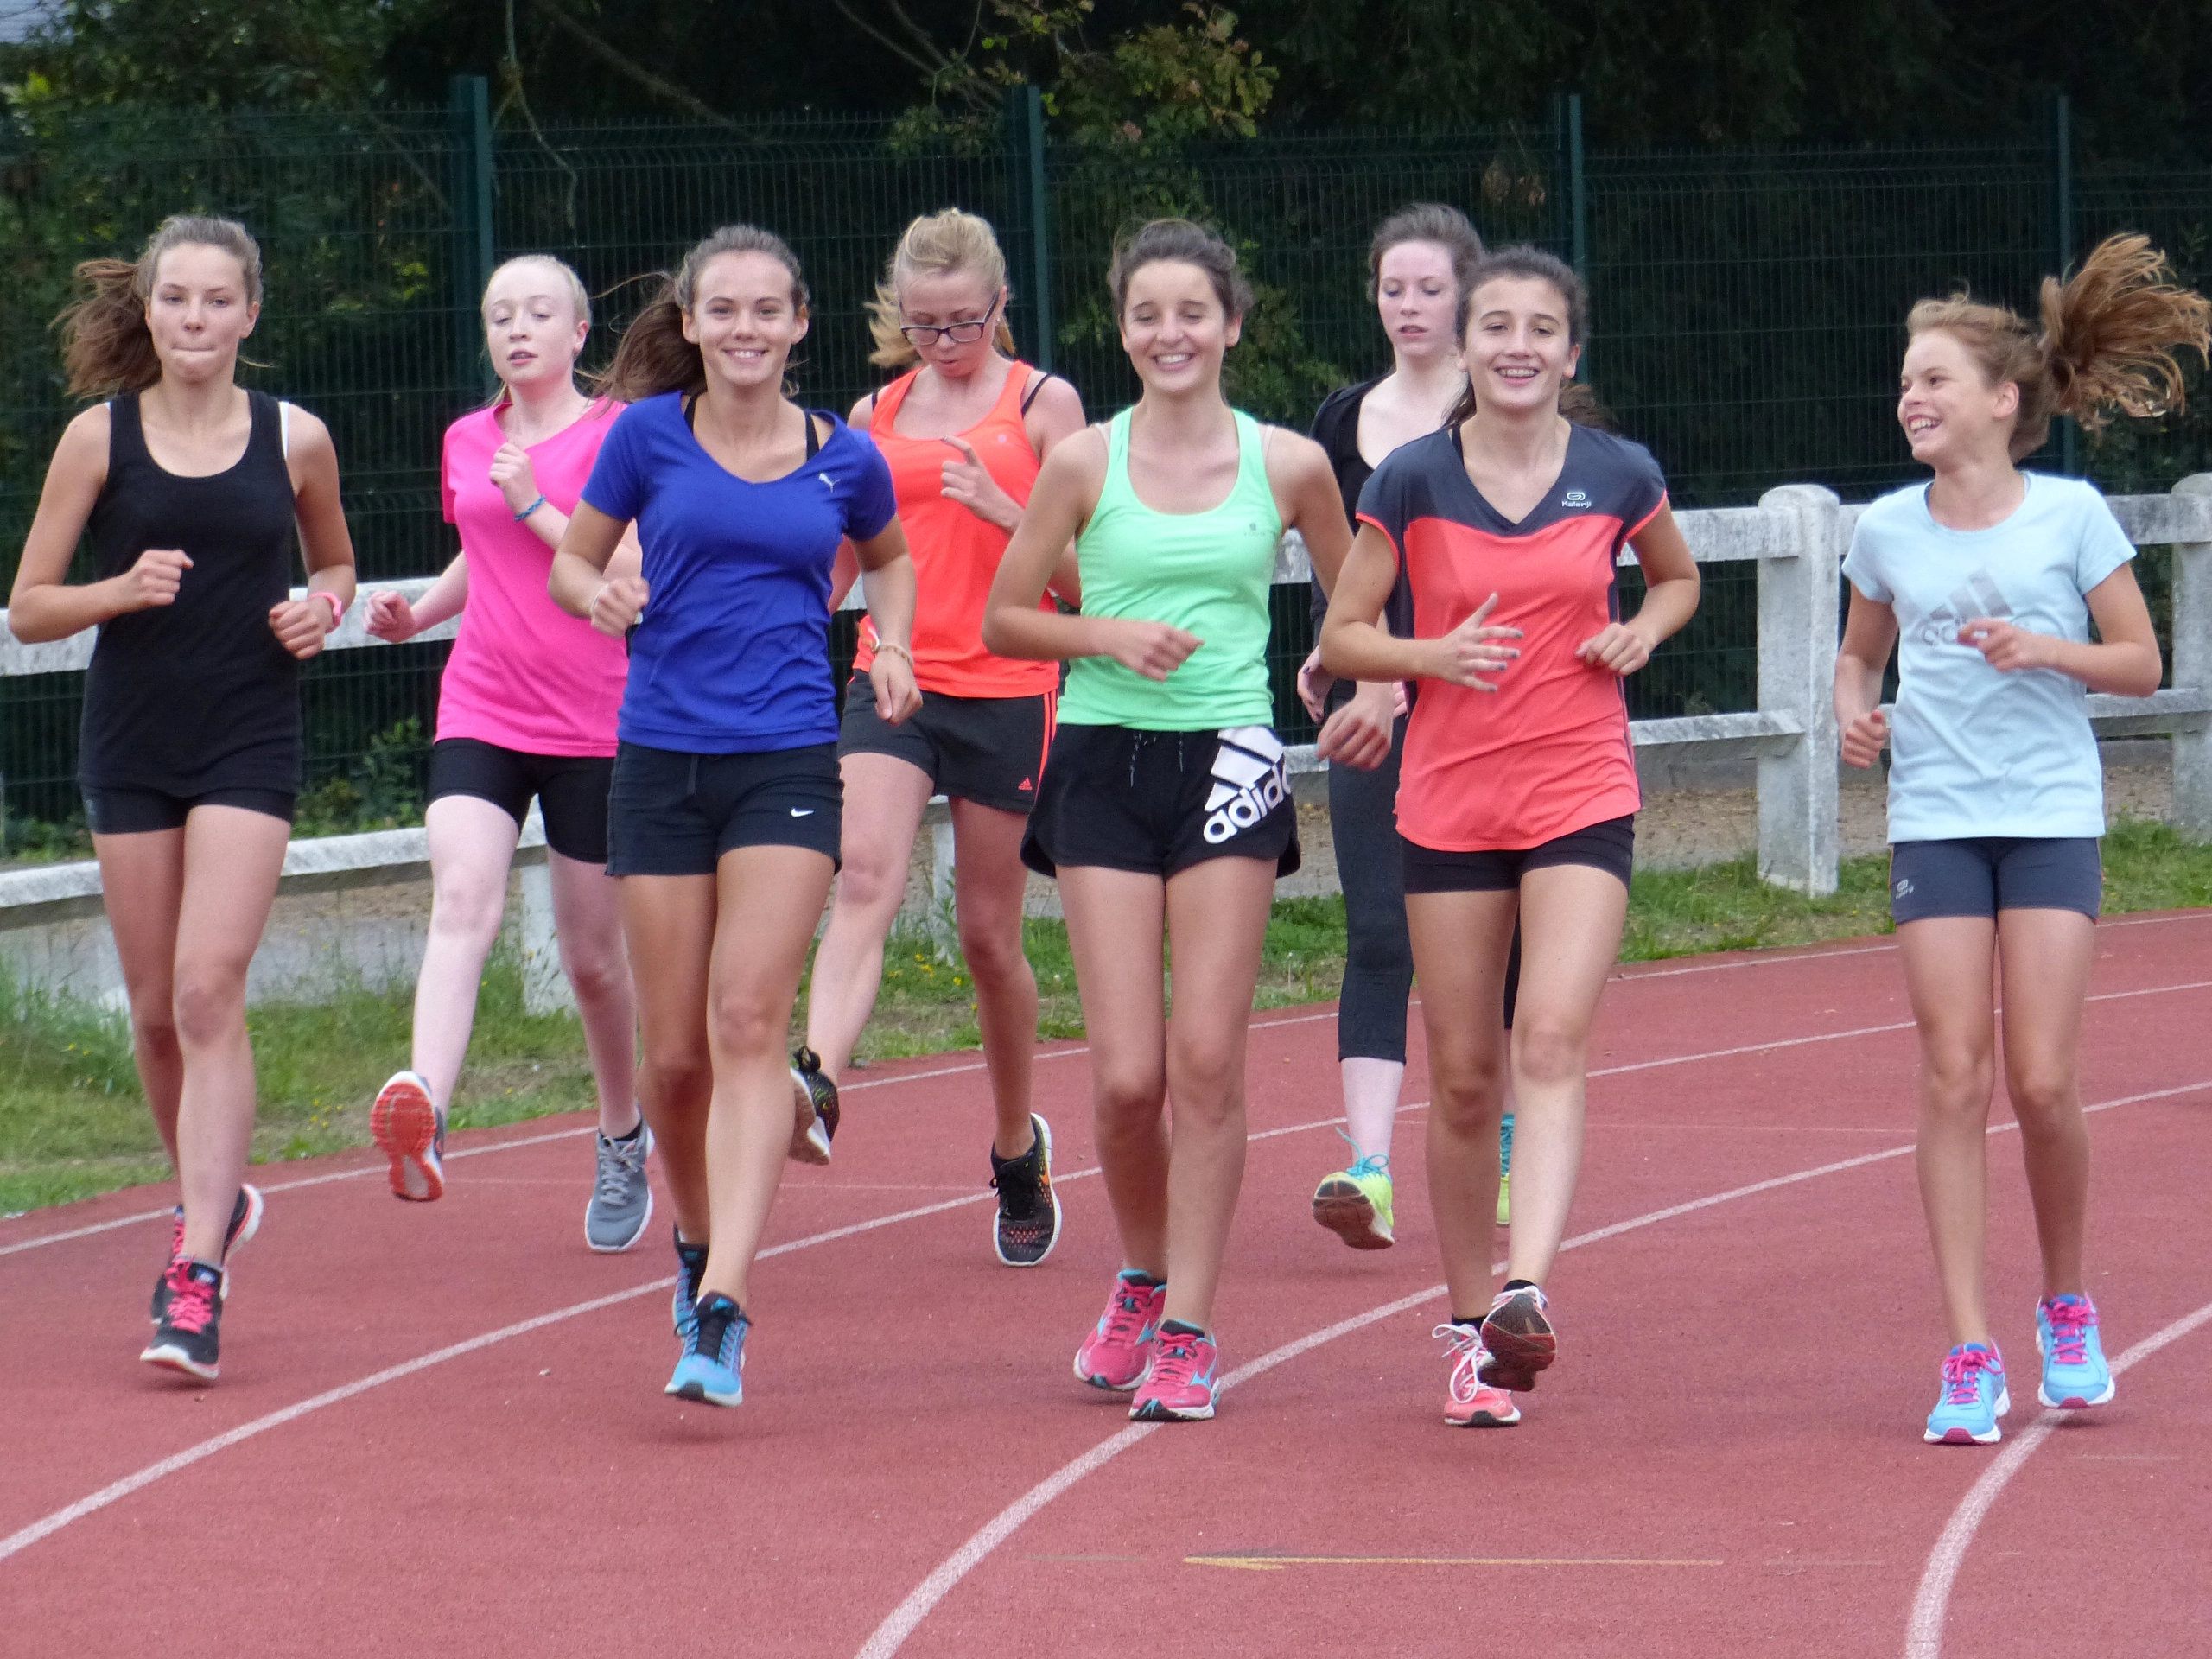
(1726, 1459)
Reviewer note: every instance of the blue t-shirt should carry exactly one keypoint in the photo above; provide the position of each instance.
(1975, 751)
(731, 655)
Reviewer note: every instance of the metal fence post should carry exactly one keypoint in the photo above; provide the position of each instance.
(1024, 120)
(1798, 600)
(2191, 813)
(469, 104)
(2061, 141)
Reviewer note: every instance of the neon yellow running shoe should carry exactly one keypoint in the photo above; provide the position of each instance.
(1505, 1170)
(1354, 1203)
(1505, 1200)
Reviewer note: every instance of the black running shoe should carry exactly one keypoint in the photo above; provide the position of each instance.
(1029, 1222)
(814, 1099)
(245, 1222)
(187, 1338)
(690, 1268)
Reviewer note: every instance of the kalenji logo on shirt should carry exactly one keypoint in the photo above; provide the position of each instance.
(1575, 500)
(1252, 778)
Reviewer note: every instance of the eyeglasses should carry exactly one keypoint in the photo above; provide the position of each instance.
(960, 333)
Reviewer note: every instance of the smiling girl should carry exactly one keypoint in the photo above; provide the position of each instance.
(1519, 791)
(724, 807)
(1166, 810)
(196, 492)
(963, 431)
(527, 710)
(1987, 578)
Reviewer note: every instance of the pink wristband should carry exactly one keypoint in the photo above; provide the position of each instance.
(337, 611)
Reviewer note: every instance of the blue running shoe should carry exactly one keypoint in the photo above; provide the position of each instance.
(690, 1268)
(1974, 1397)
(712, 1369)
(2075, 1374)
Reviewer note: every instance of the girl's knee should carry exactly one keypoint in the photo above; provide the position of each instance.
(209, 1005)
(1544, 1052)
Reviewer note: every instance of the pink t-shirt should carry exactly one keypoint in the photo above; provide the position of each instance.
(524, 673)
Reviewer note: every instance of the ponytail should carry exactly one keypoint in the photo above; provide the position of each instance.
(2109, 340)
(105, 344)
(653, 356)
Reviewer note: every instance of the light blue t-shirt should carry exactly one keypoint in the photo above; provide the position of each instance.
(1975, 751)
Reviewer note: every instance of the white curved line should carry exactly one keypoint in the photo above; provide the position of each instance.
(904, 1619)
(1923, 1636)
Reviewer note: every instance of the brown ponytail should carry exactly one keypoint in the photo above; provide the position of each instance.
(653, 356)
(2109, 341)
(105, 344)
(1576, 401)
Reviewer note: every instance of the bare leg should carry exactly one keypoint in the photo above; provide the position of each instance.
(1217, 924)
(2046, 955)
(588, 920)
(232, 858)
(768, 900)
(1947, 974)
(1117, 922)
(990, 880)
(1461, 941)
(1571, 921)
(884, 798)
(1371, 1090)
(472, 845)
(142, 877)
(670, 922)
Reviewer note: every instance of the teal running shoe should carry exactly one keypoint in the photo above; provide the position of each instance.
(712, 1370)
(1505, 1170)
(690, 1268)
(2075, 1374)
(1354, 1203)
(1973, 1398)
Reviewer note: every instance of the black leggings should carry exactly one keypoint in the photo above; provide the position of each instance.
(1378, 954)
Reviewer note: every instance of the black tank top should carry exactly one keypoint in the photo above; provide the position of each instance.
(197, 695)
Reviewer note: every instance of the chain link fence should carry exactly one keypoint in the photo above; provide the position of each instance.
(1748, 306)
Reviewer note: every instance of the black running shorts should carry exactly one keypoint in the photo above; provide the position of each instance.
(671, 813)
(1609, 847)
(110, 811)
(1982, 874)
(571, 790)
(988, 750)
(1159, 802)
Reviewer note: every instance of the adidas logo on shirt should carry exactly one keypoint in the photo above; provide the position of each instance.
(1978, 595)
(1250, 778)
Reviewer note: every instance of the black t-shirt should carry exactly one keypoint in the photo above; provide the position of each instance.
(1336, 429)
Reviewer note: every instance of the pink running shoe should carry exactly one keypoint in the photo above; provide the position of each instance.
(1181, 1385)
(1118, 1352)
(1473, 1403)
(410, 1131)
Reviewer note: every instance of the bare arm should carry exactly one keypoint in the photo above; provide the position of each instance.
(1355, 645)
(395, 618)
(2124, 660)
(42, 605)
(1870, 633)
(582, 581)
(1671, 585)
(888, 585)
(302, 624)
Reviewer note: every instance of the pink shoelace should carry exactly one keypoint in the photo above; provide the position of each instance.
(2070, 1319)
(1175, 1361)
(192, 1300)
(1961, 1386)
(1125, 1321)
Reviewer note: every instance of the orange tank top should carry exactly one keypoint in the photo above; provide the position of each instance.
(955, 554)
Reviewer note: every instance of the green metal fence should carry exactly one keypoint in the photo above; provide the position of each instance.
(1747, 305)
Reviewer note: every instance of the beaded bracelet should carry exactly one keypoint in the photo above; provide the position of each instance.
(532, 508)
(894, 645)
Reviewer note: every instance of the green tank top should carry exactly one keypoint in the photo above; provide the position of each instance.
(1207, 573)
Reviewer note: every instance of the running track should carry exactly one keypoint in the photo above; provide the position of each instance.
(440, 1428)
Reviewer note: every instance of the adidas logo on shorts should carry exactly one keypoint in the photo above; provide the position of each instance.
(1250, 778)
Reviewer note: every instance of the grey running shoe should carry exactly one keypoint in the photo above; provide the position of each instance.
(621, 1197)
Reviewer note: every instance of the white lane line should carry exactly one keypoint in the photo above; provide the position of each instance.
(904, 1619)
(1923, 1636)
(1637, 970)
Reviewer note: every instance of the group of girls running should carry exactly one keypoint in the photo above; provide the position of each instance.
(700, 788)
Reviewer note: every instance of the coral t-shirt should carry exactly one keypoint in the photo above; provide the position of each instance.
(955, 554)
(1549, 751)
(524, 673)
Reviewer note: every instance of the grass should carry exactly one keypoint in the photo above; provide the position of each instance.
(73, 1124)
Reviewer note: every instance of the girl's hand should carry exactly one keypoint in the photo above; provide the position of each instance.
(616, 608)
(153, 581)
(301, 625)
(1151, 649)
(2005, 647)
(1863, 738)
(969, 482)
(391, 618)
(1313, 683)
(1358, 734)
(1472, 649)
(512, 472)
(1617, 648)
(897, 697)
